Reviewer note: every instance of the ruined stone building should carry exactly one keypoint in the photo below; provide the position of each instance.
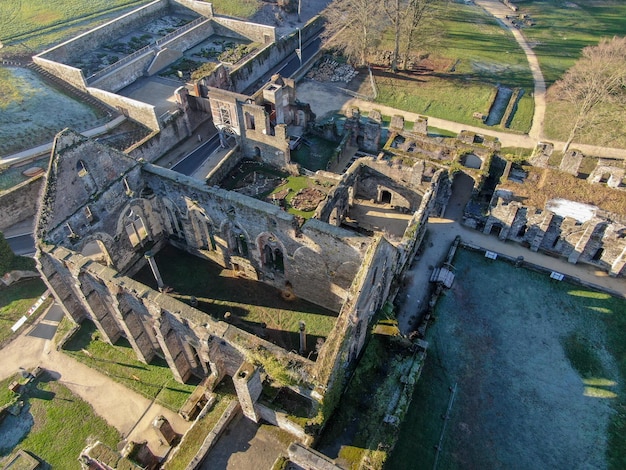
(104, 215)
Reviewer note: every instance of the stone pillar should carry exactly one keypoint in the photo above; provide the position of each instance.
(618, 265)
(248, 385)
(541, 232)
(582, 243)
(302, 337)
(155, 269)
(172, 350)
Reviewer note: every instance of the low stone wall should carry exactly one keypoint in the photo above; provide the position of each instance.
(70, 74)
(110, 31)
(20, 202)
(126, 74)
(253, 31)
(247, 73)
(282, 421)
(230, 161)
(229, 414)
(155, 145)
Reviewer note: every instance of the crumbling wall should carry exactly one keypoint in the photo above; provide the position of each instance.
(20, 202)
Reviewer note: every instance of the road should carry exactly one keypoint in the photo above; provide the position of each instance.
(22, 245)
(290, 65)
(193, 161)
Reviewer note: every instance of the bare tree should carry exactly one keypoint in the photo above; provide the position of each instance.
(595, 84)
(413, 22)
(354, 26)
(419, 25)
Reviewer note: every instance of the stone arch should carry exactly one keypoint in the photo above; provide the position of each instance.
(95, 249)
(172, 219)
(272, 252)
(203, 229)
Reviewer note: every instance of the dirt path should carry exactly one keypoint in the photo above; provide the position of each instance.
(500, 11)
(127, 411)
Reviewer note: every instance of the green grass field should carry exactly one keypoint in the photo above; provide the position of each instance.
(57, 425)
(563, 29)
(540, 369)
(238, 8)
(32, 26)
(15, 302)
(475, 55)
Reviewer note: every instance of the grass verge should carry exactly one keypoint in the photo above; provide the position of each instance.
(60, 425)
(15, 301)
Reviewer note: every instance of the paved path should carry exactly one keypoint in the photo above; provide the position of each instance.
(500, 11)
(441, 234)
(127, 411)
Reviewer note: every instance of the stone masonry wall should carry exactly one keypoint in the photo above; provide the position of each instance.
(139, 111)
(108, 32)
(20, 202)
(70, 74)
(123, 75)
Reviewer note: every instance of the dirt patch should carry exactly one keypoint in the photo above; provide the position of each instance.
(307, 199)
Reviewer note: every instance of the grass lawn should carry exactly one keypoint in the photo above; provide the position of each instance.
(539, 369)
(153, 380)
(15, 302)
(295, 184)
(254, 306)
(55, 427)
(563, 28)
(461, 73)
(238, 9)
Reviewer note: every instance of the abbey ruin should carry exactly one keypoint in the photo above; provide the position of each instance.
(105, 214)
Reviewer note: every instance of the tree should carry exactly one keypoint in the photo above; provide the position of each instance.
(595, 85)
(354, 27)
(409, 18)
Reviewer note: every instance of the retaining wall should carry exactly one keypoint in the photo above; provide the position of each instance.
(108, 32)
(20, 202)
(126, 74)
(139, 111)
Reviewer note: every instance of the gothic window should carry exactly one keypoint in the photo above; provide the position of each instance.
(224, 114)
(135, 229)
(239, 244)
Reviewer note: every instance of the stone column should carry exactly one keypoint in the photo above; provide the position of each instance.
(302, 337)
(155, 269)
(248, 385)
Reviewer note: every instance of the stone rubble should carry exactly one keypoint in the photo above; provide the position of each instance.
(329, 70)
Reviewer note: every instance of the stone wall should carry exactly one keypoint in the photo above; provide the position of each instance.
(72, 75)
(230, 27)
(108, 32)
(123, 75)
(599, 241)
(20, 202)
(139, 111)
(247, 73)
(200, 7)
(225, 166)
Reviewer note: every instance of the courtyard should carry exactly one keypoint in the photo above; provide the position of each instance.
(522, 372)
